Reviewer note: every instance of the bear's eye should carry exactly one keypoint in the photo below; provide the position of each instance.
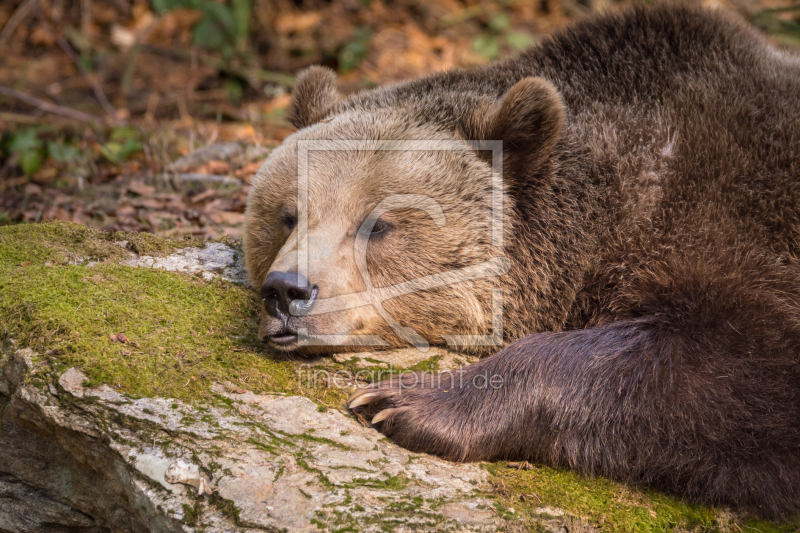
(381, 227)
(289, 221)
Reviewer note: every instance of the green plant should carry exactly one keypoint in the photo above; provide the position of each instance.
(30, 151)
(222, 28)
(27, 146)
(123, 143)
(354, 52)
(498, 33)
(772, 21)
(63, 151)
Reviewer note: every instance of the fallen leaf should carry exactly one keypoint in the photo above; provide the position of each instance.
(247, 173)
(122, 338)
(231, 218)
(214, 167)
(56, 213)
(126, 211)
(32, 188)
(113, 338)
(205, 195)
(140, 188)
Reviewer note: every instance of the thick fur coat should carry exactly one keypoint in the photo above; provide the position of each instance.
(652, 186)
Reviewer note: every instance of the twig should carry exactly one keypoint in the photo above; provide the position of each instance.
(98, 91)
(47, 107)
(257, 73)
(86, 16)
(18, 118)
(19, 16)
(361, 419)
(131, 57)
(192, 176)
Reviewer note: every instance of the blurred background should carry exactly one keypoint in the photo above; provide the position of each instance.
(153, 115)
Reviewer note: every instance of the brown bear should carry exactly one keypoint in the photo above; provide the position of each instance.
(647, 264)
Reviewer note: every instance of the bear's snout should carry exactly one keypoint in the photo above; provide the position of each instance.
(286, 294)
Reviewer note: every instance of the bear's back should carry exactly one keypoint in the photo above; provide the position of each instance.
(689, 117)
(693, 121)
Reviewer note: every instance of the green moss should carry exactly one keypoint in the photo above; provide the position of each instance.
(310, 438)
(611, 506)
(323, 479)
(191, 514)
(66, 242)
(190, 333)
(398, 482)
(226, 507)
(185, 332)
(149, 244)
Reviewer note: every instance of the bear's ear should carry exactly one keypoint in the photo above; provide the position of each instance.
(528, 120)
(314, 94)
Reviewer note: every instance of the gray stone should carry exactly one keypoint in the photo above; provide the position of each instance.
(72, 382)
(247, 462)
(92, 459)
(26, 510)
(201, 156)
(213, 260)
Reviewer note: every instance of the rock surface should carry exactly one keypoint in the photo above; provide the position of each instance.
(215, 259)
(90, 459)
(79, 456)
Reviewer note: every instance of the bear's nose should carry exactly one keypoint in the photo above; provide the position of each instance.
(280, 289)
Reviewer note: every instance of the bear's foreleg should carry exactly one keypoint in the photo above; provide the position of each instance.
(636, 400)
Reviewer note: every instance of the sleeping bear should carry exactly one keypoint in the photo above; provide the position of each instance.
(612, 217)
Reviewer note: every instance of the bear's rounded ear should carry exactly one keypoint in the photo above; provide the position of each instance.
(314, 94)
(529, 118)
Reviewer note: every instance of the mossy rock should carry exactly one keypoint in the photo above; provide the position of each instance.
(66, 290)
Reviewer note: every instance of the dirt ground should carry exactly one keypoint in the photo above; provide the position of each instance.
(104, 104)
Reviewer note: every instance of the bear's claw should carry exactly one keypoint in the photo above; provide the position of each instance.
(361, 397)
(382, 415)
(416, 414)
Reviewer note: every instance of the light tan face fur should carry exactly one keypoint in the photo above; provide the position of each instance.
(344, 187)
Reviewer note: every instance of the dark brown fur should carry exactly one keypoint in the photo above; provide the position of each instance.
(653, 158)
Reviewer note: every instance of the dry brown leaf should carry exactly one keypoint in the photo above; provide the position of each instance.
(32, 188)
(231, 218)
(56, 213)
(214, 167)
(140, 188)
(205, 195)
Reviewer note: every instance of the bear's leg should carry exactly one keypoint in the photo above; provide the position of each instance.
(637, 401)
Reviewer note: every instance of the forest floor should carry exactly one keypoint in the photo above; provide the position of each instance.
(100, 101)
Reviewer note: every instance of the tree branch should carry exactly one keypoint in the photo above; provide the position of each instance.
(48, 107)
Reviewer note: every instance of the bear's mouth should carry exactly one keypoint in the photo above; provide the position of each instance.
(284, 337)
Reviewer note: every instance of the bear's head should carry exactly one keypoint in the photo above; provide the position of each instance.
(378, 224)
